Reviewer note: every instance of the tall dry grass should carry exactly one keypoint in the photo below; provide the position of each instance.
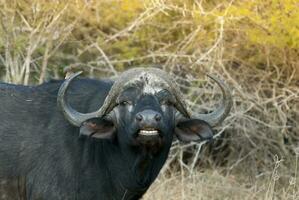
(213, 184)
(255, 151)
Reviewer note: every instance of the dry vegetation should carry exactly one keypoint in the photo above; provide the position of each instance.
(253, 45)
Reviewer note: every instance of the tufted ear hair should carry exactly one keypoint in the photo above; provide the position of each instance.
(193, 130)
(99, 128)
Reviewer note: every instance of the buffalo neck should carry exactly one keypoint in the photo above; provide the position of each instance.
(127, 173)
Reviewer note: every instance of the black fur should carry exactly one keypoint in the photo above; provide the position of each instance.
(42, 156)
(41, 152)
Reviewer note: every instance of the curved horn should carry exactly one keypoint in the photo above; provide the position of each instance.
(223, 110)
(77, 118)
(129, 75)
(74, 117)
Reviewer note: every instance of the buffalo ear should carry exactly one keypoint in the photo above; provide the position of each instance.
(99, 128)
(193, 130)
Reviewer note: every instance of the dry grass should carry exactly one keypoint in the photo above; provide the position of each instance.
(255, 151)
(212, 184)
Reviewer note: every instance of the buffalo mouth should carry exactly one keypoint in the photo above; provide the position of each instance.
(150, 140)
(148, 132)
(149, 136)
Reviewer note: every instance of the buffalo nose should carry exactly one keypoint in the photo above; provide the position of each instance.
(148, 118)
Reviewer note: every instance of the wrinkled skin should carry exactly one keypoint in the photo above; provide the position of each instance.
(105, 158)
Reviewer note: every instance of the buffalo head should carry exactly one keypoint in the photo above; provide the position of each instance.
(145, 108)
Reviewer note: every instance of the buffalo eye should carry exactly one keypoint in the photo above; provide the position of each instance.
(125, 103)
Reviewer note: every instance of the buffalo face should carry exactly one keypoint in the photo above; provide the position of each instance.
(145, 108)
(146, 119)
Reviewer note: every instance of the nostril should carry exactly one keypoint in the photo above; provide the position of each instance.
(158, 117)
(139, 117)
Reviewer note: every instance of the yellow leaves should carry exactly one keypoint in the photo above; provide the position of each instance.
(239, 11)
(131, 5)
(272, 22)
(139, 27)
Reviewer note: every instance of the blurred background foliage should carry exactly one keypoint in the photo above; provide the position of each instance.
(252, 44)
(131, 32)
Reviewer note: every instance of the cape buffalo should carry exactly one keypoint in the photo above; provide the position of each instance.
(84, 139)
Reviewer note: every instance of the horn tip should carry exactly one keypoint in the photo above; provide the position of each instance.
(72, 75)
(77, 73)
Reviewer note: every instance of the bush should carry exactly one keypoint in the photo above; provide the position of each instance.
(253, 45)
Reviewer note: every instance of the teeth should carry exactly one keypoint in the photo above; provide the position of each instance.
(148, 133)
